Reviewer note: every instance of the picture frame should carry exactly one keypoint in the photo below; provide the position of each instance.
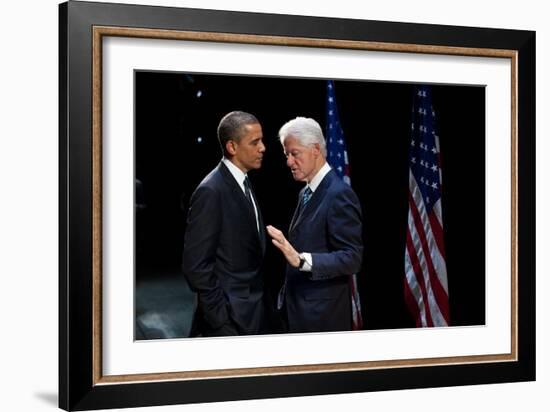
(82, 28)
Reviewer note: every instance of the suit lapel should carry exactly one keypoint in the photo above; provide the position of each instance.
(239, 194)
(245, 204)
(297, 211)
(261, 233)
(312, 204)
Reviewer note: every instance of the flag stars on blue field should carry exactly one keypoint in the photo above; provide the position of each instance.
(337, 155)
(426, 164)
(424, 155)
(428, 184)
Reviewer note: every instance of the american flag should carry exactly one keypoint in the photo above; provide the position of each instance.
(426, 290)
(337, 157)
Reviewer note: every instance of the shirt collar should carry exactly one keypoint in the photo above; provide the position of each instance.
(316, 181)
(235, 171)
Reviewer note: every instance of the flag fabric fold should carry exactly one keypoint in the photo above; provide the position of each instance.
(426, 286)
(337, 158)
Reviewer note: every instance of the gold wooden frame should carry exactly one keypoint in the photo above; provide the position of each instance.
(99, 32)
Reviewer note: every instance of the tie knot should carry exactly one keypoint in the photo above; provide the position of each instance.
(306, 195)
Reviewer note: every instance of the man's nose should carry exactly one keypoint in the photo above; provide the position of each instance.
(289, 161)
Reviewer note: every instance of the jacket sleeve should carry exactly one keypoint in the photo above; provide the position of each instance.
(204, 221)
(344, 237)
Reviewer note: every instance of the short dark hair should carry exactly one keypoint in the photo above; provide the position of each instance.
(231, 127)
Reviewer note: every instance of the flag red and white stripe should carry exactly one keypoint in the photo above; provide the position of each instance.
(426, 286)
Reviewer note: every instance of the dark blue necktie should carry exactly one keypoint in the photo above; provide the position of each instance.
(306, 196)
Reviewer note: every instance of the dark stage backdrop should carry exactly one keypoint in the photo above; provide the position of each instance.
(176, 116)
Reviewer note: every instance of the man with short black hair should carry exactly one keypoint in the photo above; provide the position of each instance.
(225, 236)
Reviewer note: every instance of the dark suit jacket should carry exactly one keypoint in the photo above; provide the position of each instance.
(329, 227)
(222, 256)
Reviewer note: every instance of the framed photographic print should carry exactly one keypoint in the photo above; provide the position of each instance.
(432, 127)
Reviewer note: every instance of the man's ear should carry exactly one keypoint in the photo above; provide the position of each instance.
(316, 149)
(230, 147)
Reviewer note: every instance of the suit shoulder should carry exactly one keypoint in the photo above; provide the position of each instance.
(341, 192)
(210, 184)
(212, 180)
(337, 185)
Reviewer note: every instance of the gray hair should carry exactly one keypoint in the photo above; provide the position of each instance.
(306, 131)
(231, 127)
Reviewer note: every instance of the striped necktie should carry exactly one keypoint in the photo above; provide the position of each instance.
(306, 196)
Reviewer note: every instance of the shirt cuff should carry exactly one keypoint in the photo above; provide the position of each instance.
(308, 265)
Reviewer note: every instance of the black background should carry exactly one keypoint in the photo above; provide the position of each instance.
(375, 117)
